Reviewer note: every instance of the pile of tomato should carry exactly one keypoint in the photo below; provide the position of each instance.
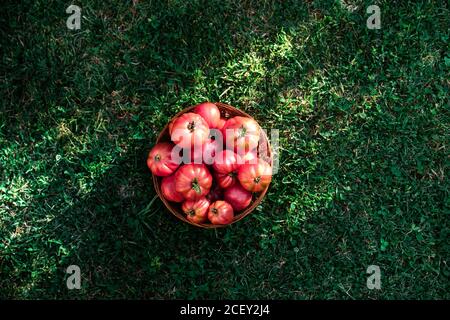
(211, 165)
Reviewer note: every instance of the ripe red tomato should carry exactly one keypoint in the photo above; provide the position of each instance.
(226, 161)
(168, 189)
(255, 177)
(209, 112)
(241, 134)
(160, 161)
(215, 193)
(238, 197)
(188, 130)
(220, 212)
(226, 165)
(193, 181)
(226, 180)
(196, 210)
(250, 157)
(210, 148)
(205, 153)
(221, 123)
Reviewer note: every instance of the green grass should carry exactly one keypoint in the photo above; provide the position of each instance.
(364, 126)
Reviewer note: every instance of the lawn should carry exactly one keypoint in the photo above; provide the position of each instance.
(363, 120)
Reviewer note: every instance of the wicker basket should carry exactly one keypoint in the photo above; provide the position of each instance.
(264, 151)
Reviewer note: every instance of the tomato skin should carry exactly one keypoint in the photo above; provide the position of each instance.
(209, 151)
(196, 210)
(221, 123)
(188, 130)
(255, 177)
(205, 153)
(250, 157)
(220, 212)
(193, 181)
(238, 197)
(226, 161)
(159, 160)
(168, 189)
(241, 134)
(226, 166)
(209, 112)
(215, 193)
(226, 180)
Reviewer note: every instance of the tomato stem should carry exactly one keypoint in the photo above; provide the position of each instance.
(257, 179)
(157, 157)
(191, 126)
(196, 186)
(242, 132)
(232, 174)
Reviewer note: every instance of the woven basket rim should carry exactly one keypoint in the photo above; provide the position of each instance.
(172, 207)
